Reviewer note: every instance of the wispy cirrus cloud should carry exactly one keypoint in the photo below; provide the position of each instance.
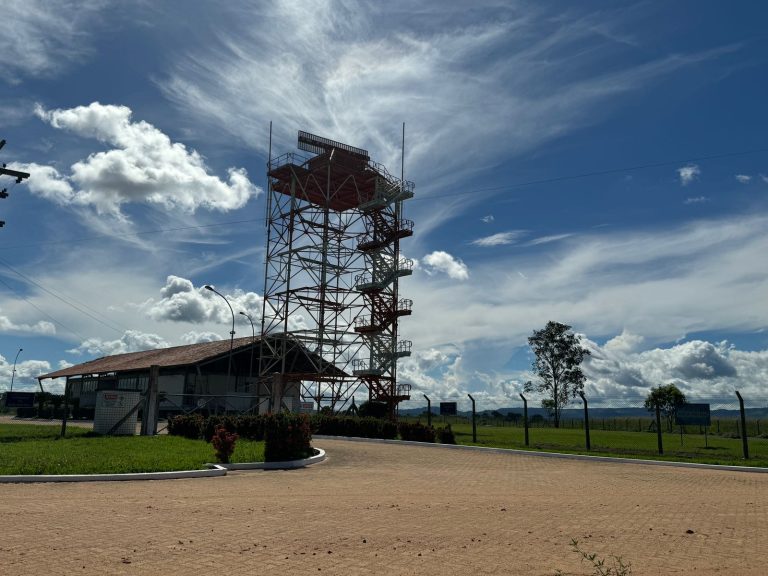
(661, 284)
(353, 72)
(696, 200)
(499, 239)
(743, 178)
(548, 239)
(43, 38)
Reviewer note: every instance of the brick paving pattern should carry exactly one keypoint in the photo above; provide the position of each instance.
(394, 509)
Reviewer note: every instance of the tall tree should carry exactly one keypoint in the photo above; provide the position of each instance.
(667, 398)
(558, 365)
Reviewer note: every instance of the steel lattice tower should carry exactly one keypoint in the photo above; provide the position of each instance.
(334, 225)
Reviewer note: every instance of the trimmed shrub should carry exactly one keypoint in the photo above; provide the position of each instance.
(251, 427)
(446, 435)
(416, 432)
(354, 427)
(186, 425)
(26, 412)
(212, 422)
(288, 437)
(223, 443)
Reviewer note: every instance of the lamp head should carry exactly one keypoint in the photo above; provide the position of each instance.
(208, 287)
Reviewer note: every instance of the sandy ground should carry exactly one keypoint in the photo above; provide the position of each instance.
(394, 509)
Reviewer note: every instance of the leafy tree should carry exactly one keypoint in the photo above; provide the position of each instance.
(374, 409)
(558, 360)
(667, 398)
(513, 417)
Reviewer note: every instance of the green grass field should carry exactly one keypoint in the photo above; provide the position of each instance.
(718, 449)
(37, 449)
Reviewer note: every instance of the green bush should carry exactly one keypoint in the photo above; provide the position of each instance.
(79, 413)
(195, 426)
(230, 422)
(287, 437)
(354, 427)
(186, 425)
(416, 432)
(446, 435)
(251, 427)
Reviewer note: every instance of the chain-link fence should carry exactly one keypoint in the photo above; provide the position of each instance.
(706, 429)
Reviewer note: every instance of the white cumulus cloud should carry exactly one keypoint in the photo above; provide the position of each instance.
(743, 178)
(181, 301)
(688, 174)
(142, 166)
(193, 337)
(42, 327)
(130, 341)
(442, 262)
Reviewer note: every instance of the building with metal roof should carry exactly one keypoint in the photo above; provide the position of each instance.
(219, 376)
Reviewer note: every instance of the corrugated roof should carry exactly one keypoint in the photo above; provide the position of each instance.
(164, 357)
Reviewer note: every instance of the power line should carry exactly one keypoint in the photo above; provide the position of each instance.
(509, 186)
(130, 234)
(65, 301)
(43, 312)
(593, 173)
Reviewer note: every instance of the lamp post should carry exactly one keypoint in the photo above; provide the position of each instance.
(231, 334)
(253, 341)
(13, 374)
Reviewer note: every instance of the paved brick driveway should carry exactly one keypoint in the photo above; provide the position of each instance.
(393, 509)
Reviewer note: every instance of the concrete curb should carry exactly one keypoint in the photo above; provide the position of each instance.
(285, 465)
(215, 470)
(535, 454)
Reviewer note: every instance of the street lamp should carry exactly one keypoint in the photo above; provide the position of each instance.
(13, 374)
(253, 341)
(231, 334)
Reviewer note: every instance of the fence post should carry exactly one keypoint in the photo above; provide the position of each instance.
(67, 388)
(474, 421)
(429, 410)
(151, 403)
(525, 417)
(586, 419)
(744, 442)
(658, 430)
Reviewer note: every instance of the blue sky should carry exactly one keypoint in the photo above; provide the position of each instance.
(599, 164)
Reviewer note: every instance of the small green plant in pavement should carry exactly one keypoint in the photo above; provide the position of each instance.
(601, 566)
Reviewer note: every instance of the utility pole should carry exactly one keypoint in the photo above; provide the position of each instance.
(12, 173)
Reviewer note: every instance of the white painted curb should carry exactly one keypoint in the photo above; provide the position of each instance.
(285, 465)
(533, 453)
(215, 470)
